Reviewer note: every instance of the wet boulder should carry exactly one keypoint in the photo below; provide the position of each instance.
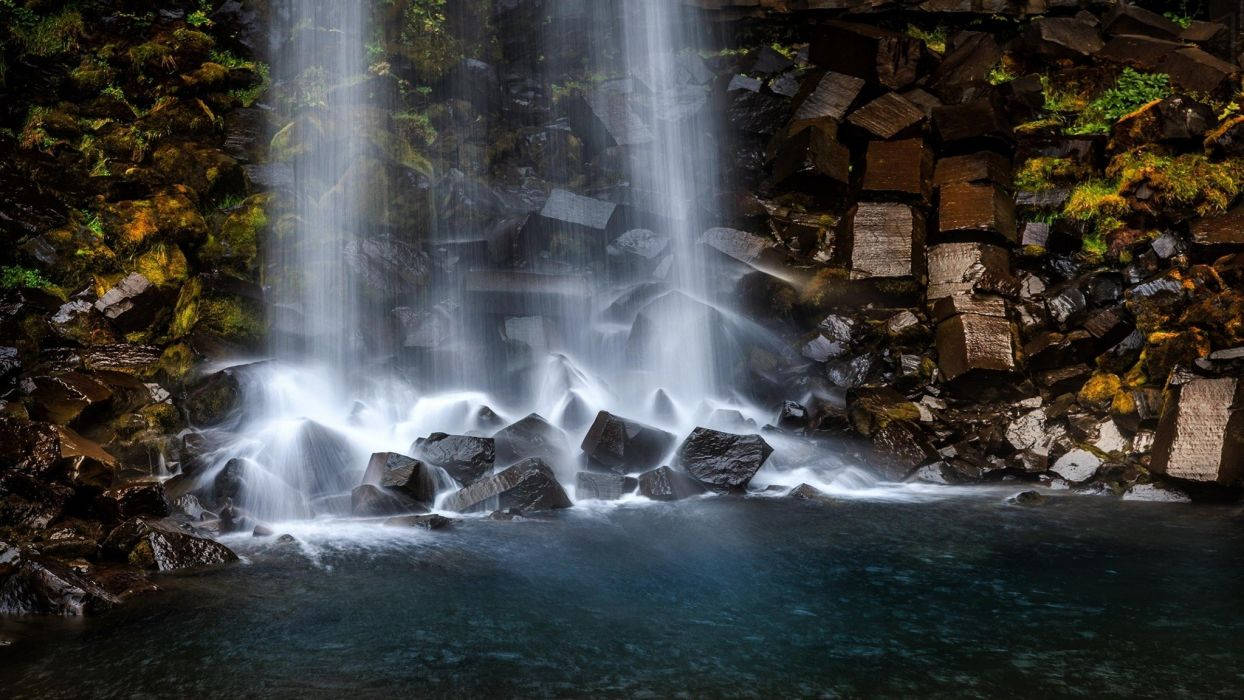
(723, 461)
(531, 436)
(144, 498)
(831, 96)
(970, 343)
(164, 545)
(1077, 466)
(230, 481)
(572, 229)
(368, 501)
(64, 398)
(527, 486)
(637, 252)
(1201, 433)
(792, 416)
(1198, 71)
(812, 156)
(133, 304)
(869, 52)
(665, 484)
(807, 492)
(465, 457)
(617, 444)
(979, 208)
(80, 322)
(32, 585)
(402, 474)
(1063, 38)
(603, 487)
(214, 398)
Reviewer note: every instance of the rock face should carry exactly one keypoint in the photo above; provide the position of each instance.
(621, 445)
(526, 486)
(723, 461)
(665, 484)
(603, 487)
(465, 457)
(163, 545)
(1201, 434)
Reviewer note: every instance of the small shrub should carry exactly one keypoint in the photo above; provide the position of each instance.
(1130, 91)
(15, 276)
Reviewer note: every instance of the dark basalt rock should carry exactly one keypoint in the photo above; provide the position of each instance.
(31, 585)
(792, 416)
(230, 481)
(665, 484)
(368, 501)
(530, 437)
(527, 486)
(215, 398)
(132, 305)
(1027, 498)
(466, 458)
(807, 492)
(163, 545)
(431, 521)
(135, 500)
(621, 445)
(402, 474)
(724, 461)
(603, 487)
(330, 459)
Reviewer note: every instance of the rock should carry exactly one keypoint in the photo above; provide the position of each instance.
(901, 167)
(1197, 71)
(1126, 18)
(968, 61)
(865, 51)
(981, 208)
(133, 305)
(1027, 498)
(603, 487)
(527, 486)
(402, 474)
(215, 398)
(1077, 466)
(1224, 231)
(80, 322)
(792, 416)
(750, 249)
(1201, 434)
(64, 398)
(368, 501)
(954, 267)
(230, 481)
(515, 293)
(42, 586)
(637, 253)
(974, 343)
(831, 97)
(811, 155)
(983, 167)
(807, 492)
(608, 116)
(531, 436)
(572, 229)
(1156, 493)
(163, 545)
(135, 500)
(887, 240)
(887, 116)
(1140, 52)
(665, 484)
(980, 122)
(464, 457)
(262, 531)
(1063, 37)
(621, 445)
(432, 521)
(724, 461)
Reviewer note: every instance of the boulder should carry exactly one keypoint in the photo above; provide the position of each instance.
(954, 267)
(609, 115)
(621, 445)
(899, 167)
(807, 492)
(888, 116)
(982, 167)
(133, 304)
(980, 122)
(1027, 498)
(402, 474)
(368, 501)
(80, 322)
(603, 487)
(531, 436)
(792, 416)
(164, 545)
(1126, 18)
(465, 457)
(230, 481)
(142, 499)
(723, 461)
(431, 521)
(35, 585)
(1077, 466)
(1201, 433)
(64, 398)
(572, 229)
(527, 486)
(969, 61)
(831, 97)
(812, 155)
(637, 253)
(215, 398)
(974, 343)
(1063, 38)
(1198, 71)
(887, 240)
(1221, 232)
(665, 484)
(981, 208)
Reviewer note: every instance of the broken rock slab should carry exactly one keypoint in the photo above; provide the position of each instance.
(974, 343)
(887, 116)
(902, 167)
(955, 267)
(980, 208)
(1201, 434)
(887, 240)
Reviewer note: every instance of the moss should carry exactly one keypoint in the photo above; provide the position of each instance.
(186, 310)
(237, 242)
(163, 264)
(1100, 389)
(170, 215)
(1047, 172)
(47, 36)
(231, 319)
(15, 276)
(1187, 181)
(1131, 91)
(1095, 200)
(176, 362)
(934, 38)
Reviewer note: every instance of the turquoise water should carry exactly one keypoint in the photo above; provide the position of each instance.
(958, 596)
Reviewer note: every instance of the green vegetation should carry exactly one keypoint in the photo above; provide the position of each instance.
(934, 38)
(1000, 74)
(1130, 91)
(1046, 172)
(1187, 181)
(1183, 20)
(14, 276)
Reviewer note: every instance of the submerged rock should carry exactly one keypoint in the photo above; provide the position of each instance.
(724, 461)
(621, 445)
(163, 545)
(432, 521)
(1027, 498)
(465, 457)
(603, 487)
(665, 484)
(807, 492)
(526, 486)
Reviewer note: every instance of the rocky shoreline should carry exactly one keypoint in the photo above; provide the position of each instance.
(1010, 252)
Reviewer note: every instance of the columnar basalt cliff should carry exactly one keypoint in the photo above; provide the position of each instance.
(950, 242)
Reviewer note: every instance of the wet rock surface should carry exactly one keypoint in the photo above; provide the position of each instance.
(527, 486)
(722, 460)
(617, 444)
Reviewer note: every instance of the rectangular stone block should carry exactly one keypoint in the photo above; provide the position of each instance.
(887, 240)
(869, 52)
(903, 167)
(974, 343)
(831, 97)
(955, 267)
(1201, 433)
(813, 152)
(982, 167)
(983, 208)
(979, 121)
(955, 304)
(887, 116)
